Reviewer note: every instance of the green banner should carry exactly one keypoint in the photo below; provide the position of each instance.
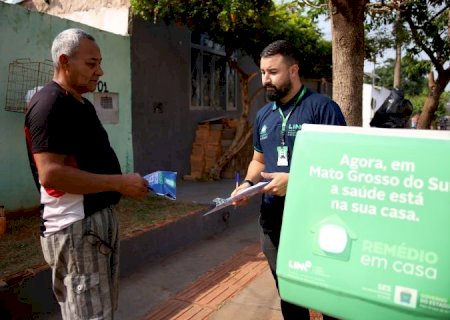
(366, 227)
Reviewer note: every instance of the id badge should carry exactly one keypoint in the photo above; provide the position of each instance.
(282, 156)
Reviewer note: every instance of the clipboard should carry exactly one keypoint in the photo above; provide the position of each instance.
(246, 193)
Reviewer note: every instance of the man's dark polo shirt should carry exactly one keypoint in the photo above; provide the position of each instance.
(312, 108)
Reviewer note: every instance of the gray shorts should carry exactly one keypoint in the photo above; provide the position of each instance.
(84, 259)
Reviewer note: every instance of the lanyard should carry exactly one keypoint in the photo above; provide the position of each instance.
(285, 119)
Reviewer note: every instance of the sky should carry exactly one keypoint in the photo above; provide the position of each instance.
(325, 27)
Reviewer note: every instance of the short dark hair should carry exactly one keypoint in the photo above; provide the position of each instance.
(284, 48)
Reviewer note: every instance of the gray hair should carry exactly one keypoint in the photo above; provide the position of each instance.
(67, 43)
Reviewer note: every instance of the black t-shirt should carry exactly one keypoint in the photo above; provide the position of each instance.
(58, 123)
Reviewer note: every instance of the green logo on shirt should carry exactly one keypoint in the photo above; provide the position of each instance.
(293, 128)
(263, 133)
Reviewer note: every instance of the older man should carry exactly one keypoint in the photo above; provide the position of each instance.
(80, 181)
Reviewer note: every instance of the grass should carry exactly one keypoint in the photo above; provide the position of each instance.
(20, 246)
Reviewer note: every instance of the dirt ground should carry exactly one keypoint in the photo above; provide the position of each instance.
(20, 246)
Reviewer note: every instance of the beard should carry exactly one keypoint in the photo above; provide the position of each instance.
(274, 93)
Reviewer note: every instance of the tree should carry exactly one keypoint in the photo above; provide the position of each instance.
(389, 34)
(347, 21)
(348, 51)
(413, 76)
(423, 26)
(429, 23)
(413, 79)
(375, 46)
(426, 22)
(247, 26)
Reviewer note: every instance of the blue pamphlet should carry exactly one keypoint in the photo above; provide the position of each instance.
(163, 183)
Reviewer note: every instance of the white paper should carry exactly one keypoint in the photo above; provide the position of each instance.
(246, 193)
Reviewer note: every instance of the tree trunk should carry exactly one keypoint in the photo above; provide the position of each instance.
(398, 67)
(435, 89)
(347, 24)
(243, 130)
(398, 52)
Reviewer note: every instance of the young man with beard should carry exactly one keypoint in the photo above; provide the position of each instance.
(275, 128)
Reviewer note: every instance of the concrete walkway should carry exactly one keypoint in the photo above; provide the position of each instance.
(222, 277)
(238, 284)
(240, 288)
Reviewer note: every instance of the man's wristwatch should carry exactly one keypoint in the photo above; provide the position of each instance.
(250, 182)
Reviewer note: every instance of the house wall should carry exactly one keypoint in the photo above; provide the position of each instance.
(108, 15)
(160, 63)
(27, 34)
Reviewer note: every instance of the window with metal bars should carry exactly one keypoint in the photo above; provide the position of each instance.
(213, 82)
(25, 78)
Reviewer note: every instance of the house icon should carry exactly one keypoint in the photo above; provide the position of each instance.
(333, 238)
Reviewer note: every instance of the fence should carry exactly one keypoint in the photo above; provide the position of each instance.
(25, 78)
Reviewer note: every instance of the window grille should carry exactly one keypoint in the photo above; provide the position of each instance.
(107, 106)
(25, 78)
(213, 82)
(106, 102)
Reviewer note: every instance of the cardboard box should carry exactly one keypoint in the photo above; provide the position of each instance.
(365, 230)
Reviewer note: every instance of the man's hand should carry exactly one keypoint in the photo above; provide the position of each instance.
(133, 186)
(278, 185)
(238, 190)
(56, 174)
